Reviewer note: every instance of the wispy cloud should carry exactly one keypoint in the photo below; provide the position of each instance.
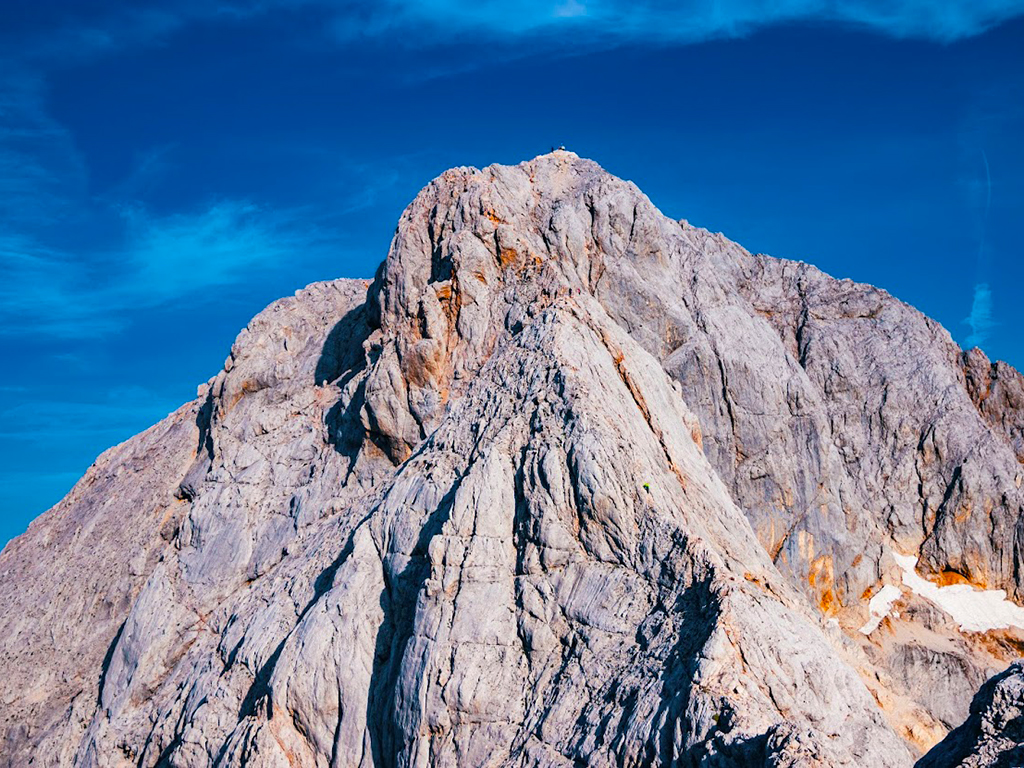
(108, 26)
(86, 285)
(981, 321)
(994, 113)
(166, 257)
(161, 260)
(688, 21)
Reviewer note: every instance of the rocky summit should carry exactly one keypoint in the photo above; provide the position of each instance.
(568, 483)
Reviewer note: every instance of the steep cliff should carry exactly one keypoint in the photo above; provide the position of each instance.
(568, 483)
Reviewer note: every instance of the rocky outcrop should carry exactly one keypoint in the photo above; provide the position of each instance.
(998, 392)
(568, 483)
(993, 735)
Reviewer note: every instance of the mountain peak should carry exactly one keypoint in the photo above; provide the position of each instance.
(474, 254)
(568, 482)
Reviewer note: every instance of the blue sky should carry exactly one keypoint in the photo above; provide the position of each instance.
(167, 169)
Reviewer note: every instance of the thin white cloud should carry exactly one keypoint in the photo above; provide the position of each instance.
(680, 22)
(54, 288)
(51, 288)
(992, 115)
(981, 321)
(112, 26)
(166, 257)
(162, 260)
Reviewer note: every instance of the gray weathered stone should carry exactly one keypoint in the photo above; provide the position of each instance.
(568, 483)
(993, 734)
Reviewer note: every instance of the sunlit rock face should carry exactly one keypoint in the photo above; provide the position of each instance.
(568, 483)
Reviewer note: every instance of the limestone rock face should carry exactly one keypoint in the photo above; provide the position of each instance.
(568, 483)
(993, 735)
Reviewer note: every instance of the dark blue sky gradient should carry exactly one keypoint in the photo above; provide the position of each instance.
(162, 180)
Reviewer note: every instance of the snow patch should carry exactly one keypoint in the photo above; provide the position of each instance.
(975, 610)
(880, 605)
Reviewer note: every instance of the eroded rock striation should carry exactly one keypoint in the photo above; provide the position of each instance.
(568, 483)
